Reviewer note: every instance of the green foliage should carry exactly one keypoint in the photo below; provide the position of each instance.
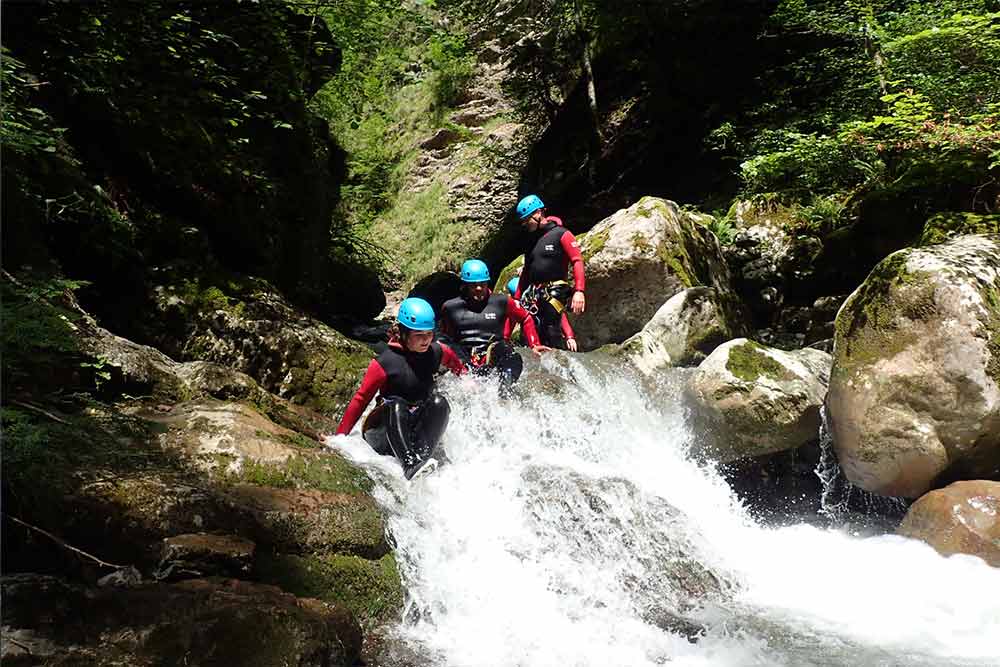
(181, 115)
(899, 101)
(402, 71)
(944, 226)
(452, 68)
(723, 225)
(38, 333)
(25, 437)
(24, 129)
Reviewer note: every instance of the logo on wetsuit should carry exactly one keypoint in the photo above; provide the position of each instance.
(490, 316)
(550, 247)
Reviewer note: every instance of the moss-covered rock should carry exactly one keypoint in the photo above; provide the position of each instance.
(249, 326)
(371, 589)
(682, 332)
(196, 622)
(942, 227)
(637, 259)
(915, 389)
(749, 400)
(308, 521)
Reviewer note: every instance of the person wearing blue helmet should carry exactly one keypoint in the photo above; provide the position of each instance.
(549, 251)
(411, 417)
(479, 323)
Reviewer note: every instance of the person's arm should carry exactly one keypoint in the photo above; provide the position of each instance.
(572, 249)
(451, 361)
(567, 332)
(370, 384)
(516, 312)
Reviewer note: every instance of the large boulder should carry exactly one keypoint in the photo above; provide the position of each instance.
(196, 622)
(250, 327)
(914, 395)
(682, 332)
(640, 257)
(962, 518)
(750, 400)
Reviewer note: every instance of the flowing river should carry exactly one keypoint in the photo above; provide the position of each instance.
(573, 528)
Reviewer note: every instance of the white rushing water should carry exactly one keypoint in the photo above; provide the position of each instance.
(572, 528)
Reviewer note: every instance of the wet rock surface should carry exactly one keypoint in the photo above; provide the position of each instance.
(197, 622)
(637, 259)
(750, 400)
(200, 554)
(914, 395)
(962, 518)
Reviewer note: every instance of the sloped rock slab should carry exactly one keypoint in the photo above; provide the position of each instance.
(200, 554)
(198, 622)
(311, 521)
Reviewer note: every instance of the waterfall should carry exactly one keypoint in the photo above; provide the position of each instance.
(571, 527)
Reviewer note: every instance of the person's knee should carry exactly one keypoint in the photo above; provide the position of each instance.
(439, 405)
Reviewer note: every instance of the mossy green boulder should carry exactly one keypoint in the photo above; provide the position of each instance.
(686, 329)
(637, 259)
(250, 327)
(914, 395)
(749, 399)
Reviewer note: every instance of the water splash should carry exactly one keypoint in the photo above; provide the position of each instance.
(572, 528)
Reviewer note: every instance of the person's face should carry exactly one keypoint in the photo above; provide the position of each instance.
(476, 291)
(418, 341)
(532, 222)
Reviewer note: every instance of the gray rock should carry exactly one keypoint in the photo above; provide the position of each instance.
(682, 332)
(637, 259)
(915, 388)
(199, 554)
(749, 400)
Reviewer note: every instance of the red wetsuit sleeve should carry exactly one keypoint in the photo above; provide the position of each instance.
(516, 312)
(567, 330)
(572, 250)
(370, 384)
(451, 361)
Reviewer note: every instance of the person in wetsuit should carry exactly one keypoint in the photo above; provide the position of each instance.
(564, 325)
(550, 249)
(411, 417)
(479, 323)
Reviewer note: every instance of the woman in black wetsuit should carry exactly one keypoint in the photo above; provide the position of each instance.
(410, 418)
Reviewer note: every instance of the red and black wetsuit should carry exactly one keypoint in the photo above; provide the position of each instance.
(481, 332)
(469, 324)
(399, 373)
(548, 254)
(411, 419)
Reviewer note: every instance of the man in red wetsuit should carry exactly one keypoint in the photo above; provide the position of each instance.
(550, 249)
(411, 418)
(479, 323)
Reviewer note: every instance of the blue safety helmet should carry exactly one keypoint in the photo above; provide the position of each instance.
(475, 271)
(528, 205)
(512, 285)
(416, 314)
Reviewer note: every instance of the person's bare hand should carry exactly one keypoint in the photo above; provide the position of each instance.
(571, 343)
(539, 350)
(579, 303)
